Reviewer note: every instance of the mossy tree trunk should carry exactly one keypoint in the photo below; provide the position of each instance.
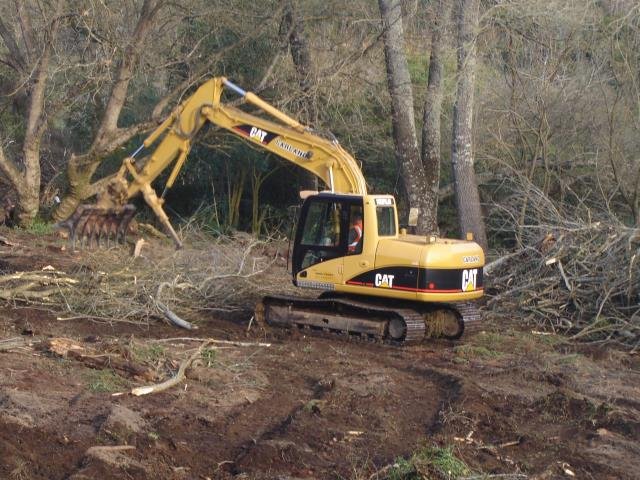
(462, 158)
(403, 122)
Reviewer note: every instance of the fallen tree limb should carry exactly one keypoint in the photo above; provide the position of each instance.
(211, 340)
(490, 267)
(173, 318)
(5, 241)
(168, 314)
(176, 379)
(110, 448)
(15, 342)
(68, 348)
(100, 362)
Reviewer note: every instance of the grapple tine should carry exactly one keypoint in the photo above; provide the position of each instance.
(87, 231)
(99, 230)
(96, 225)
(125, 220)
(113, 227)
(109, 228)
(80, 226)
(89, 227)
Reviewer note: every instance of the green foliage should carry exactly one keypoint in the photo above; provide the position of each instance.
(429, 460)
(100, 381)
(209, 357)
(403, 469)
(148, 353)
(40, 227)
(419, 68)
(443, 460)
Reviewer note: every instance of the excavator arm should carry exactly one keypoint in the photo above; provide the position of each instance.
(279, 134)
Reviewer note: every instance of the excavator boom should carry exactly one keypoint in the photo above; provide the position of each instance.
(278, 133)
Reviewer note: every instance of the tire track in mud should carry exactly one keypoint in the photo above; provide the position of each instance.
(449, 384)
(429, 390)
(319, 391)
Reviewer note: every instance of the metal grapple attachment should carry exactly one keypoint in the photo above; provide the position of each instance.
(95, 226)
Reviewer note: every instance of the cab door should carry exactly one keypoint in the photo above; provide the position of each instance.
(330, 247)
(320, 241)
(361, 259)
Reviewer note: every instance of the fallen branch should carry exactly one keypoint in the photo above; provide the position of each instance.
(5, 241)
(211, 340)
(168, 314)
(176, 379)
(38, 285)
(67, 348)
(108, 448)
(173, 318)
(100, 362)
(490, 267)
(15, 342)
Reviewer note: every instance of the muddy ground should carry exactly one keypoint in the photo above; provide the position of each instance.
(506, 400)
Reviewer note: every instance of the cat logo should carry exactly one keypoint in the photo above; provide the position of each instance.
(257, 134)
(384, 280)
(469, 279)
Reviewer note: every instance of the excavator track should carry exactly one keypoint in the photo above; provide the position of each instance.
(470, 316)
(343, 317)
(358, 320)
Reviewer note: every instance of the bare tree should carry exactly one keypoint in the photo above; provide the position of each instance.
(403, 122)
(108, 135)
(30, 58)
(292, 28)
(432, 113)
(462, 159)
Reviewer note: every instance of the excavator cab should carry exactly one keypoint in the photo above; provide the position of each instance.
(329, 227)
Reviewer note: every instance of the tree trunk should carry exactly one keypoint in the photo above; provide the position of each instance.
(404, 129)
(292, 27)
(466, 187)
(431, 117)
(82, 167)
(25, 178)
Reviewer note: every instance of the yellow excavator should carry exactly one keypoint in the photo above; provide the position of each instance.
(379, 283)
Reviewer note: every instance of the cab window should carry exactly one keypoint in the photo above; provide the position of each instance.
(386, 221)
(322, 225)
(329, 228)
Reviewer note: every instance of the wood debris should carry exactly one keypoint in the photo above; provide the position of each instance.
(572, 275)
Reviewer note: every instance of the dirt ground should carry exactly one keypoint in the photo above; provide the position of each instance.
(508, 401)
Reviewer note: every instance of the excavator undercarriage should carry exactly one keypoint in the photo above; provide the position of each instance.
(367, 320)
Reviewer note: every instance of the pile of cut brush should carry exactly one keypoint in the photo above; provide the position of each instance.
(221, 274)
(576, 270)
(155, 282)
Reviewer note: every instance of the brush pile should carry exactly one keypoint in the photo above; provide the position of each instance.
(217, 275)
(156, 282)
(575, 270)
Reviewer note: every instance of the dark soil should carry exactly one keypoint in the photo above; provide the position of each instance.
(507, 400)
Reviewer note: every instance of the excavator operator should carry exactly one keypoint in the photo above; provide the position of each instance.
(355, 232)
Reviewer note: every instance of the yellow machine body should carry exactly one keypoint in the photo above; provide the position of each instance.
(391, 264)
